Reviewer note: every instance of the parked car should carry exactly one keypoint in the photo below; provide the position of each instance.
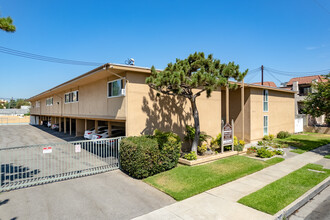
(89, 133)
(105, 134)
(55, 127)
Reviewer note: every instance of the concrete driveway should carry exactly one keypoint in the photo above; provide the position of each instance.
(22, 135)
(111, 195)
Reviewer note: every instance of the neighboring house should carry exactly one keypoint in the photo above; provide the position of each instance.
(268, 83)
(116, 95)
(303, 86)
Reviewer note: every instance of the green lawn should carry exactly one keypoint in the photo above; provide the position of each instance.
(298, 151)
(307, 141)
(185, 181)
(327, 156)
(279, 194)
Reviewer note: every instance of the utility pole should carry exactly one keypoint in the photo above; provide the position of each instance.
(262, 75)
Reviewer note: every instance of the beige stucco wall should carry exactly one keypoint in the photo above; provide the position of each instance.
(235, 111)
(280, 113)
(146, 111)
(93, 103)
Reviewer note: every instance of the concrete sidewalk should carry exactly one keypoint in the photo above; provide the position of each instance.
(221, 202)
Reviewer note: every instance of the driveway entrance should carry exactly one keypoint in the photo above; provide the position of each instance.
(110, 195)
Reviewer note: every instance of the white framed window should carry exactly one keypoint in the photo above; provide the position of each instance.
(71, 97)
(265, 100)
(116, 88)
(49, 101)
(265, 124)
(37, 104)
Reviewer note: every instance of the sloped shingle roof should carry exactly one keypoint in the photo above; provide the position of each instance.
(306, 79)
(269, 83)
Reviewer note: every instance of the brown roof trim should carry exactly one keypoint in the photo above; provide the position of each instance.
(136, 69)
(105, 66)
(266, 87)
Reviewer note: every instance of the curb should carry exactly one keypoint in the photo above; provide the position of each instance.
(302, 200)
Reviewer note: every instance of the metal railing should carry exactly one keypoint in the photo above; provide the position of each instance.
(39, 164)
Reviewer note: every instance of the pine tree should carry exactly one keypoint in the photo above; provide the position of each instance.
(191, 77)
(6, 24)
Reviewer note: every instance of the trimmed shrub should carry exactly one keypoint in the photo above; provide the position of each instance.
(271, 136)
(169, 145)
(283, 134)
(145, 156)
(139, 156)
(190, 156)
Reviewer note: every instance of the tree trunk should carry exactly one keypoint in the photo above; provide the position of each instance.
(197, 127)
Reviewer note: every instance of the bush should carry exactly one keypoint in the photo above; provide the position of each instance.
(251, 150)
(190, 156)
(145, 156)
(242, 142)
(266, 138)
(216, 141)
(170, 146)
(202, 149)
(139, 156)
(278, 152)
(239, 147)
(283, 134)
(264, 153)
(190, 135)
(271, 136)
(235, 141)
(260, 143)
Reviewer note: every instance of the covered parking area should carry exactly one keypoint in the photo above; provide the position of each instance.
(76, 126)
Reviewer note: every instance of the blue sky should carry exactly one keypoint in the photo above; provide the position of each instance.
(290, 35)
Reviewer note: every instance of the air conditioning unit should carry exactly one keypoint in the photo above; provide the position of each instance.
(123, 92)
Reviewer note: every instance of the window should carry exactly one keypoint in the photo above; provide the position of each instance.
(303, 91)
(265, 124)
(265, 97)
(37, 104)
(71, 97)
(49, 101)
(115, 88)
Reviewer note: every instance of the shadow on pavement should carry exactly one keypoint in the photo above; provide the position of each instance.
(10, 172)
(61, 135)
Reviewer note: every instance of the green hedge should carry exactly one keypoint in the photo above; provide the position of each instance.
(145, 156)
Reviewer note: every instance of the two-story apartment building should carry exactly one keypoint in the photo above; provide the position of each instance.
(303, 86)
(116, 95)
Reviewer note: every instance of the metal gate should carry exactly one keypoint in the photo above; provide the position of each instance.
(39, 164)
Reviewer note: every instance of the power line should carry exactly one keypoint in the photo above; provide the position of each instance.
(273, 76)
(290, 73)
(46, 58)
(250, 72)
